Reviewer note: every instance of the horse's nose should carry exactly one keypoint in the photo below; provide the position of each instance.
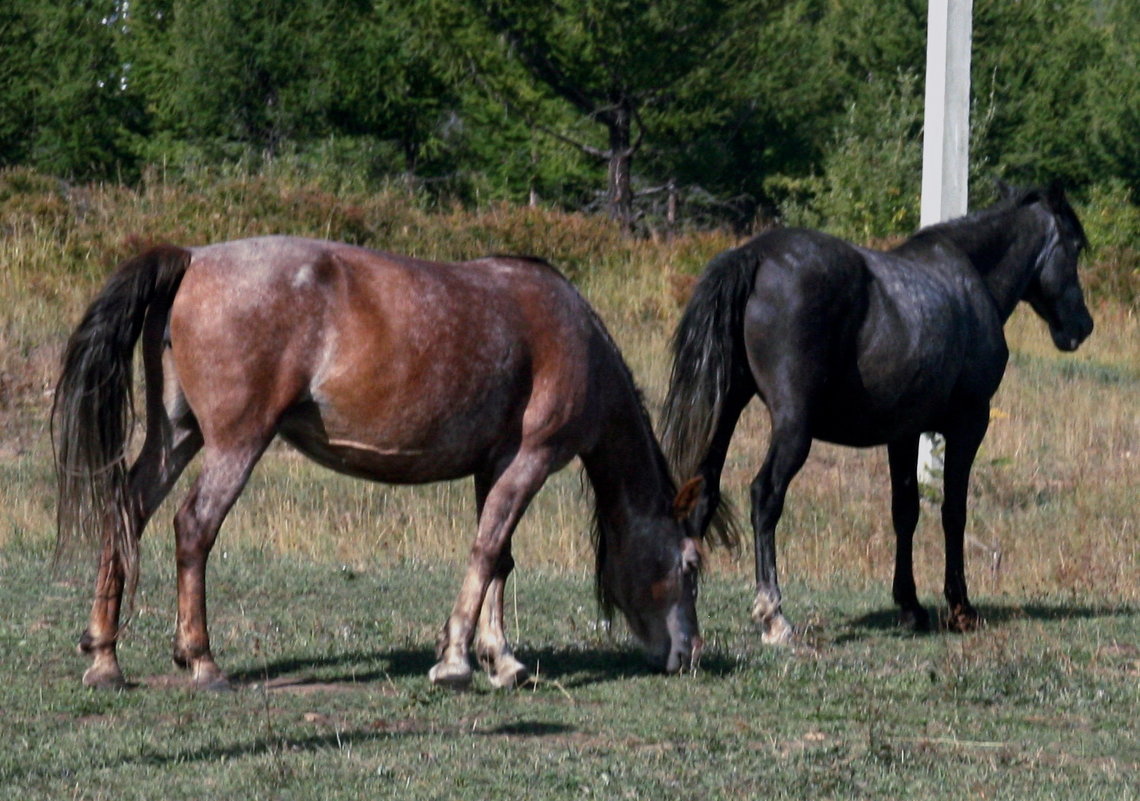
(1084, 328)
(1087, 327)
(682, 658)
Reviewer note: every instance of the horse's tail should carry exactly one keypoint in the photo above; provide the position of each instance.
(93, 411)
(709, 362)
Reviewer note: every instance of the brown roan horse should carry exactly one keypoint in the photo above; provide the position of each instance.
(381, 367)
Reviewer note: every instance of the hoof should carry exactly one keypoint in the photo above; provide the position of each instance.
(916, 620)
(774, 627)
(217, 684)
(776, 630)
(456, 676)
(963, 619)
(208, 676)
(104, 678)
(511, 673)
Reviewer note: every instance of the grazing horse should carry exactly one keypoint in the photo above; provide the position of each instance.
(862, 347)
(381, 367)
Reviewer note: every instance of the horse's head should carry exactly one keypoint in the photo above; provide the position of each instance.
(1055, 291)
(653, 581)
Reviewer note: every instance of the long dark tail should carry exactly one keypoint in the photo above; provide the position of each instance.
(93, 412)
(709, 361)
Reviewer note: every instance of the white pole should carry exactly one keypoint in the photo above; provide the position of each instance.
(946, 126)
(945, 142)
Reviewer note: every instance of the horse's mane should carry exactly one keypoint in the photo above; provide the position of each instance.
(1013, 198)
(602, 532)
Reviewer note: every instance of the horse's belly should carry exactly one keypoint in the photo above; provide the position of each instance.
(861, 420)
(400, 448)
(389, 466)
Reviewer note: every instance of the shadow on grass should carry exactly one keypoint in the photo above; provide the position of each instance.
(996, 614)
(884, 622)
(569, 667)
(337, 739)
(352, 667)
(582, 668)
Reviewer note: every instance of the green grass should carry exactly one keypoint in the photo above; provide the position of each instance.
(333, 699)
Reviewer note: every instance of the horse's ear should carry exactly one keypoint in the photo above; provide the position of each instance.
(687, 498)
(1004, 190)
(1055, 194)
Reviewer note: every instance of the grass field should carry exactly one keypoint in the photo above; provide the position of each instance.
(333, 700)
(327, 593)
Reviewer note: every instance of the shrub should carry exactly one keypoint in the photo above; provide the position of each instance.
(1112, 223)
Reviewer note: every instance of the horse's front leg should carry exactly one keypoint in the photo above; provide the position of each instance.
(902, 456)
(491, 647)
(787, 453)
(506, 500)
(961, 447)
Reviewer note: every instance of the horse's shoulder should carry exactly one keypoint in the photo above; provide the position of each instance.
(935, 291)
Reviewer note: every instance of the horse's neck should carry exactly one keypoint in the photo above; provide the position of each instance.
(628, 472)
(1003, 247)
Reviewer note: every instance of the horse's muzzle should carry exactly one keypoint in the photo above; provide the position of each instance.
(1070, 337)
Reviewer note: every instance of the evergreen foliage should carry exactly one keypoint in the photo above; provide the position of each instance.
(706, 111)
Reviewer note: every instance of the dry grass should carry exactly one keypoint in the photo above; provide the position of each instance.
(1055, 489)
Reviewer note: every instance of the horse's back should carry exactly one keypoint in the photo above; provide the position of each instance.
(378, 364)
(873, 343)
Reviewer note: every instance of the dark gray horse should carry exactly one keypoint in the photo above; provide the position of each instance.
(861, 347)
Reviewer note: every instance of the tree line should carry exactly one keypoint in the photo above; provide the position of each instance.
(704, 111)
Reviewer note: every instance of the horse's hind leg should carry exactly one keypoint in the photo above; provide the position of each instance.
(224, 474)
(712, 465)
(902, 456)
(166, 451)
(506, 500)
(787, 452)
(151, 479)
